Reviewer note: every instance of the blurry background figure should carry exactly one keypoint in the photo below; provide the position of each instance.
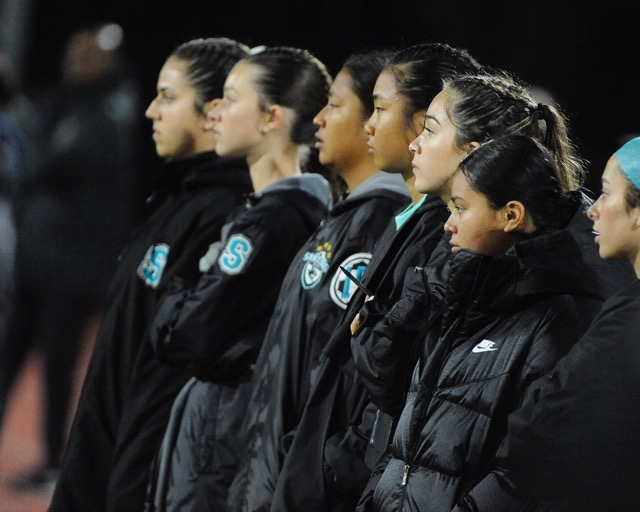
(11, 159)
(73, 211)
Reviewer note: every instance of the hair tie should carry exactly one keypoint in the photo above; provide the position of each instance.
(540, 110)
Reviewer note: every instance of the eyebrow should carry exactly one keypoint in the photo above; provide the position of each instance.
(433, 118)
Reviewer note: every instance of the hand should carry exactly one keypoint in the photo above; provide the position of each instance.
(357, 320)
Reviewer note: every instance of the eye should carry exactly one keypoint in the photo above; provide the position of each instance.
(378, 109)
(332, 105)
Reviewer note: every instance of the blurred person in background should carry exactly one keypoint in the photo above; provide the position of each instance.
(11, 160)
(73, 211)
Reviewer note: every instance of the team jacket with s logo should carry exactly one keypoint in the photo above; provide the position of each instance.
(122, 411)
(216, 328)
(312, 298)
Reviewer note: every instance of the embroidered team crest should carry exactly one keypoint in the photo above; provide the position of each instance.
(342, 288)
(235, 254)
(153, 263)
(316, 265)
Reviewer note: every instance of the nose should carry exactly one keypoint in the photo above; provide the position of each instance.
(210, 113)
(318, 120)
(450, 226)
(214, 113)
(152, 110)
(414, 145)
(369, 128)
(592, 212)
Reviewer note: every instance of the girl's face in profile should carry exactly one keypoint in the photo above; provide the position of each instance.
(178, 127)
(341, 139)
(617, 227)
(473, 223)
(238, 118)
(389, 133)
(435, 153)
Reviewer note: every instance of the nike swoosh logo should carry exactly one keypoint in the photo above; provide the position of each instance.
(481, 349)
(484, 346)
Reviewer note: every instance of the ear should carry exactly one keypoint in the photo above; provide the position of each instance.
(636, 213)
(470, 146)
(516, 219)
(273, 118)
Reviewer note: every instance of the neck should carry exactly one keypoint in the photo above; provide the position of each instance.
(273, 166)
(355, 175)
(410, 182)
(636, 265)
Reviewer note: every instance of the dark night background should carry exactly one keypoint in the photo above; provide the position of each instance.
(585, 53)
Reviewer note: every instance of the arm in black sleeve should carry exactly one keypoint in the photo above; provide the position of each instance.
(220, 321)
(385, 347)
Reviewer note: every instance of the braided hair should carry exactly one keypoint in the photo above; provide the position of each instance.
(419, 71)
(364, 68)
(486, 106)
(208, 63)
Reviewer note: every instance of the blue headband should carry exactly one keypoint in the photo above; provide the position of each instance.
(629, 159)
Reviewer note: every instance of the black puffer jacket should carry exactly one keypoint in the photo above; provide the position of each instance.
(382, 348)
(128, 393)
(495, 325)
(313, 296)
(216, 330)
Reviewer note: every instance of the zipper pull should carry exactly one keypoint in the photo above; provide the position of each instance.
(405, 475)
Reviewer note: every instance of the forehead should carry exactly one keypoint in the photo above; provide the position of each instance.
(438, 106)
(613, 174)
(241, 76)
(385, 87)
(459, 181)
(343, 83)
(173, 73)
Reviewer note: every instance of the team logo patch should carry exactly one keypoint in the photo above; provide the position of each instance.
(153, 263)
(342, 288)
(316, 265)
(235, 254)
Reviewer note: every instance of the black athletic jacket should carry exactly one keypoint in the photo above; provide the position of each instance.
(313, 296)
(127, 394)
(496, 323)
(325, 467)
(575, 439)
(216, 330)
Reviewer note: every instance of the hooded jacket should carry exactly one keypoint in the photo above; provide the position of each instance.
(128, 393)
(216, 330)
(325, 467)
(314, 294)
(496, 323)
